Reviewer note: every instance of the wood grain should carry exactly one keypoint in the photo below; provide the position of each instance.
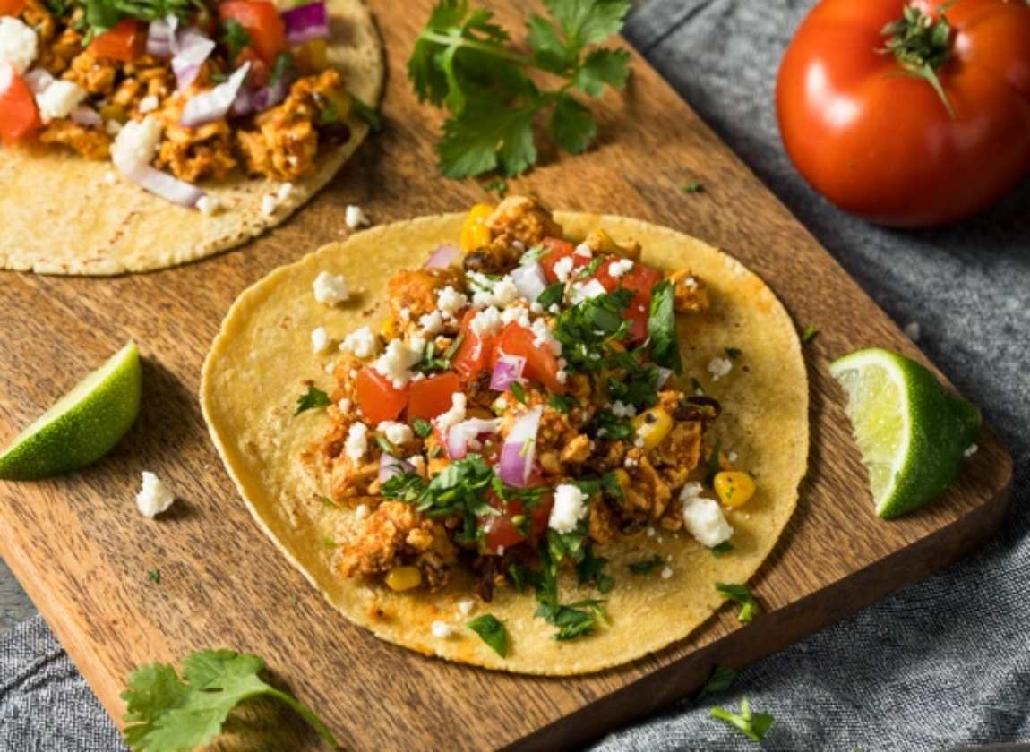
(82, 551)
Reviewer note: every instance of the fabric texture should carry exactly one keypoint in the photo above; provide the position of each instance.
(940, 664)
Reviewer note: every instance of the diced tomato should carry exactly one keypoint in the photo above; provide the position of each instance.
(11, 7)
(501, 530)
(560, 249)
(541, 364)
(377, 397)
(262, 22)
(123, 41)
(19, 116)
(641, 279)
(431, 396)
(474, 354)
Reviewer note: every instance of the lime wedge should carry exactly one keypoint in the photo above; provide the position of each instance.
(911, 432)
(83, 426)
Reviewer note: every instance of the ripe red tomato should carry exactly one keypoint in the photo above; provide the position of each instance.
(431, 396)
(377, 397)
(503, 532)
(263, 24)
(541, 363)
(560, 249)
(123, 41)
(641, 280)
(880, 142)
(19, 116)
(474, 354)
(11, 7)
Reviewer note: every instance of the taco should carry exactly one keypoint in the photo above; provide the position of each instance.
(139, 135)
(539, 451)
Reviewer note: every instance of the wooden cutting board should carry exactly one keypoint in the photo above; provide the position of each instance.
(82, 551)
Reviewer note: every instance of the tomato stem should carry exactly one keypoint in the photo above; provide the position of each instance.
(921, 45)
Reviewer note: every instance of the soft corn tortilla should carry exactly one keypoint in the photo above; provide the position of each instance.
(63, 214)
(260, 359)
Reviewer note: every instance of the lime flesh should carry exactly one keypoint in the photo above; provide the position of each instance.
(83, 426)
(912, 433)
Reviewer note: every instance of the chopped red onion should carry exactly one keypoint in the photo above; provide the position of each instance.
(162, 184)
(530, 281)
(462, 434)
(161, 36)
(443, 257)
(519, 450)
(390, 466)
(306, 22)
(214, 104)
(87, 116)
(507, 370)
(191, 49)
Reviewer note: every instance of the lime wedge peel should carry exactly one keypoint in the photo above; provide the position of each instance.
(83, 426)
(912, 433)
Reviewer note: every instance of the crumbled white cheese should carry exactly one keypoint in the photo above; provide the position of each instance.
(360, 512)
(455, 414)
(208, 205)
(354, 217)
(569, 508)
(343, 405)
(442, 630)
(397, 358)
(703, 517)
(148, 104)
(136, 143)
(563, 268)
(542, 336)
(666, 573)
(154, 496)
(465, 607)
(450, 301)
(113, 127)
(913, 331)
(319, 340)
(361, 343)
(395, 433)
(431, 323)
(517, 314)
(719, 367)
(58, 100)
(110, 178)
(283, 192)
(19, 44)
(486, 323)
(970, 450)
(269, 203)
(621, 410)
(501, 293)
(617, 268)
(584, 250)
(330, 289)
(357, 441)
(585, 290)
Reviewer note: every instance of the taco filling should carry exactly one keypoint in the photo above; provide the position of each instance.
(522, 402)
(173, 93)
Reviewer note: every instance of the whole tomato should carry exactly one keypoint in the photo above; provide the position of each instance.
(909, 114)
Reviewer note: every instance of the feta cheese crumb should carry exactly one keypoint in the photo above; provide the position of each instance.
(58, 100)
(431, 323)
(563, 268)
(355, 217)
(486, 323)
(398, 357)
(621, 410)
(361, 343)
(19, 44)
(442, 630)
(456, 413)
(617, 268)
(970, 450)
(330, 289)
(666, 573)
(719, 367)
(269, 204)
(450, 301)
(319, 340)
(343, 405)
(208, 205)
(357, 441)
(703, 517)
(148, 104)
(913, 331)
(585, 290)
(154, 496)
(584, 250)
(569, 508)
(284, 192)
(465, 607)
(136, 143)
(360, 512)
(395, 433)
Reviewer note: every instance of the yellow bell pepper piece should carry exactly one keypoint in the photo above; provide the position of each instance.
(652, 426)
(734, 488)
(312, 56)
(474, 233)
(400, 579)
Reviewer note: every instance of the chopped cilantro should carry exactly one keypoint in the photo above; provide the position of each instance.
(369, 114)
(646, 566)
(552, 294)
(234, 37)
(386, 445)
(154, 575)
(533, 255)
(606, 425)
(165, 713)
(492, 631)
(753, 726)
(328, 113)
(466, 63)
(733, 352)
(282, 69)
(585, 328)
(518, 391)
(573, 620)
(809, 334)
(404, 487)
(721, 549)
(422, 427)
(590, 269)
(722, 678)
(693, 187)
(563, 403)
(431, 362)
(590, 571)
(312, 398)
(661, 327)
(712, 465)
(498, 186)
(740, 594)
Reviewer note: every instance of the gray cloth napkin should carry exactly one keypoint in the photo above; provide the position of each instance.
(945, 662)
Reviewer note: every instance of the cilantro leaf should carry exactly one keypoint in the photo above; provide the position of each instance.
(809, 334)
(312, 398)
(552, 294)
(742, 595)
(606, 425)
(752, 725)
(492, 631)
(646, 566)
(549, 51)
(234, 37)
(694, 187)
(722, 678)
(485, 138)
(602, 66)
(369, 114)
(589, 21)
(590, 571)
(166, 714)
(422, 427)
(572, 125)
(721, 549)
(661, 327)
(154, 575)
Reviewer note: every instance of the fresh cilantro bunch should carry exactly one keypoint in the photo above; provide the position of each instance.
(166, 714)
(465, 62)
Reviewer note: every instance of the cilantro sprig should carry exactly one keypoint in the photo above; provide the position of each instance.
(752, 725)
(167, 714)
(740, 594)
(466, 63)
(492, 631)
(312, 398)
